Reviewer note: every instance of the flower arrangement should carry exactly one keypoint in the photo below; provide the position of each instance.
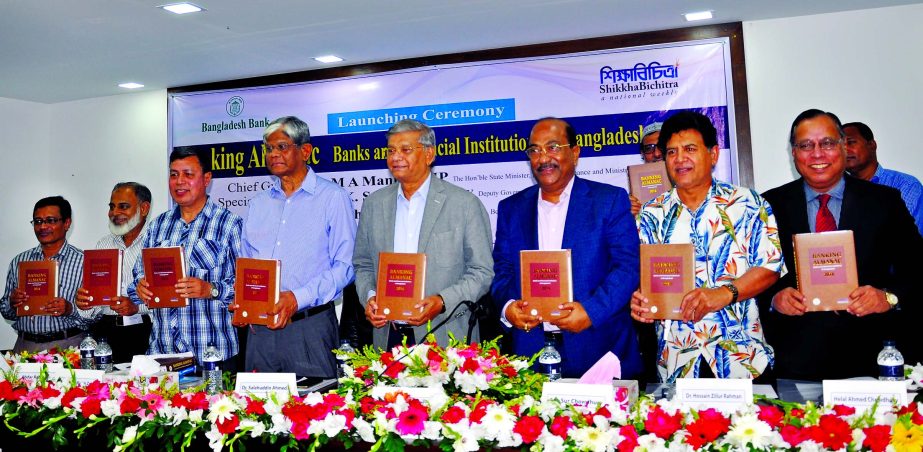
(491, 402)
(69, 357)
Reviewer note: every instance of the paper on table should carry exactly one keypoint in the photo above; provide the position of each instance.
(605, 370)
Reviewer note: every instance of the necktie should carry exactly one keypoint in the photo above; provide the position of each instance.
(824, 221)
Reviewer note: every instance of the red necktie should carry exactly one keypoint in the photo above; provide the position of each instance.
(824, 221)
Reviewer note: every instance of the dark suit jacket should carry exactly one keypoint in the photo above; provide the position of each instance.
(603, 239)
(831, 345)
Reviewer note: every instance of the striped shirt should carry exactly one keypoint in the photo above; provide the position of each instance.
(130, 255)
(910, 188)
(211, 243)
(70, 276)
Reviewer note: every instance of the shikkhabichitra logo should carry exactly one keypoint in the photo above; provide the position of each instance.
(235, 106)
(641, 80)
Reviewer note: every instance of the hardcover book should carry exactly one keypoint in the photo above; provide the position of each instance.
(256, 290)
(825, 263)
(401, 280)
(163, 267)
(545, 281)
(648, 180)
(667, 275)
(39, 280)
(175, 363)
(102, 275)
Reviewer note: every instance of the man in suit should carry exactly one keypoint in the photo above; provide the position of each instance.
(423, 214)
(592, 220)
(829, 345)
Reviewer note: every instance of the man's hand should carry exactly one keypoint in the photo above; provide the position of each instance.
(701, 301)
(635, 205)
(18, 297)
(374, 317)
(57, 307)
(83, 299)
(639, 307)
(519, 315)
(427, 309)
(574, 318)
(789, 302)
(286, 308)
(191, 287)
(867, 300)
(124, 307)
(143, 289)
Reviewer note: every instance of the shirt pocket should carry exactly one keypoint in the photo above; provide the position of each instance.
(204, 259)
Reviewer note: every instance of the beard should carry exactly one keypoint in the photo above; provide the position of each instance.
(121, 230)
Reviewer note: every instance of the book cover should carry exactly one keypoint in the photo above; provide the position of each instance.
(401, 281)
(648, 180)
(825, 263)
(175, 363)
(39, 279)
(545, 281)
(163, 267)
(102, 275)
(256, 290)
(667, 275)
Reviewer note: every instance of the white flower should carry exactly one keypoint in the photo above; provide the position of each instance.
(215, 439)
(333, 424)
(748, 429)
(313, 398)
(810, 446)
(195, 416)
(280, 424)
(110, 408)
(592, 438)
(364, 429)
(52, 403)
(257, 428)
(650, 442)
(470, 383)
(497, 422)
(432, 430)
(551, 443)
(129, 434)
(223, 408)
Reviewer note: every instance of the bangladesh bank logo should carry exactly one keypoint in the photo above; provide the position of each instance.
(235, 106)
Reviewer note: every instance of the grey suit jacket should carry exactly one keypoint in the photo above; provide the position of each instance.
(455, 236)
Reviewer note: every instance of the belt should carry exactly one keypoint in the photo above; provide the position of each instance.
(51, 337)
(303, 314)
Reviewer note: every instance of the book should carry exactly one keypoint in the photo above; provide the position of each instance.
(176, 363)
(163, 267)
(256, 290)
(825, 265)
(667, 275)
(401, 281)
(102, 275)
(545, 281)
(39, 280)
(646, 181)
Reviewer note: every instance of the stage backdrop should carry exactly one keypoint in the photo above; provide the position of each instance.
(482, 113)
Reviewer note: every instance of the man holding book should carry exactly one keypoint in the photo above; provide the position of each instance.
(125, 324)
(58, 324)
(307, 223)
(592, 220)
(421, 213)
(842, 344)
(736, 256)
(210, 236)
(650, 153)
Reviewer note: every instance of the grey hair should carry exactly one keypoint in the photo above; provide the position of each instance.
(427, 135)
(295, 128)
(143, 193)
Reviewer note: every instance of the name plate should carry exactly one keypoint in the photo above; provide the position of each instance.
(432, 396)
(864, 393)
(263, 384)
(83, 376)
(30, 371)
(725, 394)
(578, 394)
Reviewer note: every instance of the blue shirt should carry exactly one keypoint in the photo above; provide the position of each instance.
(312, 233)
(70, 277)
(910, 188)
(835, 204)
(211, 243)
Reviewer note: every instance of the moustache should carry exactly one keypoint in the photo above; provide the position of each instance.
(549, 165)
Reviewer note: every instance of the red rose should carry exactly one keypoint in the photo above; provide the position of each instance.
(394, 369)
(360, 370)
(350, 415)
(630, 438)
(296, 412)
(797, 412)
(843, 410)
(479, 411)
(662, 424)
(707, 428)
(877, 437)
(832, 432)
(255, 407)
(69, 396)
(793, 435)
(771, 415)
(130, 405)
(470, 365)
(300, 430)
(6, 390)
(226, 427)
(453, 415)
(529, 427)
(49, 392)
(89, 407)
(560, 425)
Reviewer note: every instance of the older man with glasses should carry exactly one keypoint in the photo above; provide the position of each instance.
(59, 324)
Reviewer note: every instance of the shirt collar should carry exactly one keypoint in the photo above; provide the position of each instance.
(207, 211)
(308, 185)
(37, 251)
(423, 191)
(878, 172)
(836, 192)
(565, 194)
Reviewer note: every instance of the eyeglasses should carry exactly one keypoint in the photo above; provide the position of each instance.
(551, 149)
(825, 144)
(49, 220)
(282, 147)
(406, 150)
(648, 149)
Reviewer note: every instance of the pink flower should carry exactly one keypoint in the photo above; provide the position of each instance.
(662, 424)
(43, 358)
(630, 438)
(150, 404)
(560, 425)
(32, 398)
(411, 421)
(771, 415)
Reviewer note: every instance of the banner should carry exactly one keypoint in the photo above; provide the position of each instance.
(482, 113)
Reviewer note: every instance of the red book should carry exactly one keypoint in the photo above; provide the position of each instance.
(667, 275)
(163, 267)
(256, 290)
(39, 279)
(401, 280)
(545, 281)
(102, 276)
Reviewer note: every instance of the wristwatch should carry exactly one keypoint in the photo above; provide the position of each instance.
(215, 292)
(734, 292)
(892, 299)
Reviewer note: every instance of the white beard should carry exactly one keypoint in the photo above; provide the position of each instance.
(127, 227)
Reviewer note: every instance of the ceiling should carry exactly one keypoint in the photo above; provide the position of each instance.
(61, 50)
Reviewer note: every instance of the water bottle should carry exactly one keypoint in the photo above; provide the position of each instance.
(550, 361)
(87, 353)
(212, 370)
(103, 355)
(890, 363)
(345, 347)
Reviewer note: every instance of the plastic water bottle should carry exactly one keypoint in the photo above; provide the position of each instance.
(550, 361)
(88, 353)
(890, 363)
(103, 355)
(212, 370)
(345, 347)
